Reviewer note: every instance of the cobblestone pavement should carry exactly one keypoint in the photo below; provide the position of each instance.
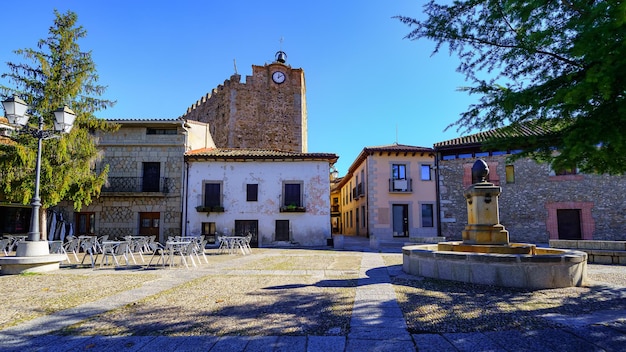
(376, 324)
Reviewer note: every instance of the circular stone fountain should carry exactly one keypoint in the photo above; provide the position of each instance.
(485, 256)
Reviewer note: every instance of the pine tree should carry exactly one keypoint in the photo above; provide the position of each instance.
(559, 66)
(61, 74)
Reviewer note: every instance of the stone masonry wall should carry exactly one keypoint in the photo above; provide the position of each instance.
(528, 206)
(258, 113)
(125, 151)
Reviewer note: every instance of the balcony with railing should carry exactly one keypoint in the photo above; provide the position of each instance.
(358, 191)
(138, 185)
(401, 185)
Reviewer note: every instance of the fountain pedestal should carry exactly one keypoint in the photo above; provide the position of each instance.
(483, 218)
(483, 232)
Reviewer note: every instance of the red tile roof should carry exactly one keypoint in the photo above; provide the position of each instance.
(255, 154)
(528, 129)
(398, 148)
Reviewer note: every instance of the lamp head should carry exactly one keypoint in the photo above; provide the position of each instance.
(64, 119)
(15, 110)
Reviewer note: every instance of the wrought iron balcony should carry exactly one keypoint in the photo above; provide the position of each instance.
(138, 185)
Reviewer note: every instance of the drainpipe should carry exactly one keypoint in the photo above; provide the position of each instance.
(367, 198)
(185, 182)
(437, 195)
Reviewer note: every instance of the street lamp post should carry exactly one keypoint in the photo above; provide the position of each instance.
(15, 110)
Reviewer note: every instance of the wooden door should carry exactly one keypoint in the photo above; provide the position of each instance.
(242, 227)
(568, 223)
(282, 230)
(149, 224)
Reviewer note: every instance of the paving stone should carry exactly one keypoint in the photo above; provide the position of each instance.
(378, 333)
(602, 336)
(230, 343)
(53, 343)
(290, 344)
(432, 343)
(326, 344)
(515, 340)
(560, 340)
(116, 343)
(261, 343)
(185, 343)
(472, 341)
(357, 345)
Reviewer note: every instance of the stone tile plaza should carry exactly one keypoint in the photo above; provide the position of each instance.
(303, 299)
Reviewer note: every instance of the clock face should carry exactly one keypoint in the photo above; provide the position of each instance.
(278, 77)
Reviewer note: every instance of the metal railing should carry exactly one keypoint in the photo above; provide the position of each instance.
(138, 185)
(401, 185)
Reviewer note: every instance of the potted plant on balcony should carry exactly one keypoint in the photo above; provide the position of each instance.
(208, 209)
(203, 209)
(292, 208)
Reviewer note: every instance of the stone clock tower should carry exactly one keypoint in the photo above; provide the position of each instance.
(267, 111)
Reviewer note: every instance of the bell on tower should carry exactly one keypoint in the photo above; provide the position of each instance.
(281, 57)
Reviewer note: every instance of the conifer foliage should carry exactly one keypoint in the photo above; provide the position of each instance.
(558, 65)
(57, 73)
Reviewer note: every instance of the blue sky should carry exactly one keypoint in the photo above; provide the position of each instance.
(366, 84)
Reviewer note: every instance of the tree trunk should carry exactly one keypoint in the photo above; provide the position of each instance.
(43, 224)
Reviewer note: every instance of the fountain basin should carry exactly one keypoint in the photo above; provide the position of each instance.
(31, 257)
(38, 264)
(509, 248)
(546, 268)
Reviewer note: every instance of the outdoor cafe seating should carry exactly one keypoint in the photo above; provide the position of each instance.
(176, 247)
(235, 244)
(101, 251)
(10, 242)
(116, 250)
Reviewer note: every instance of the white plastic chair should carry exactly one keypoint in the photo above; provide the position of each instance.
(56, 247)
(200, 250)
(138, 245)
(224, 245)
(99, 241)
(246, 243)
(190, 251)
(89, 248)
(14, 241)
(159, 251)
(73, 246)
(120, 249)
(4, 245)
(181, 250)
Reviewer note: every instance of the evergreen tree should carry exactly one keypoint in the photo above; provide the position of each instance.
(61, 75)
(559, 66)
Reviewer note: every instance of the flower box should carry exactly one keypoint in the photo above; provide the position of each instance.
(213, 209)
(292, 209)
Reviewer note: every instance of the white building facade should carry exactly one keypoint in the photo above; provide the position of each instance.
(280, 197)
